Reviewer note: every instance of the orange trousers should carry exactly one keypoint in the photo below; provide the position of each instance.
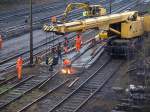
(78, 46)
(19, 72)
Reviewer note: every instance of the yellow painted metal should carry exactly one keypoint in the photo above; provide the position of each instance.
(103, 35)
(90, 10)
(102, 11)
(102, 22)
(147, 23)
(132, 29)
(115, 31)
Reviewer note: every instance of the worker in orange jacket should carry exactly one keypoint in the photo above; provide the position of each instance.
(78, 43)
(1, 42)
(19, 64)
(67, 65)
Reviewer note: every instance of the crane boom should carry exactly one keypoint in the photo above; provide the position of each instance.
(102, 22)
(127, 27)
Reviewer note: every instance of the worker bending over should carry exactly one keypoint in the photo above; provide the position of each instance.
(78, 42)
(66, 44)
(19, 64)
(67, 66)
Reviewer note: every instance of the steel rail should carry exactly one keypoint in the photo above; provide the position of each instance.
(2, 106)
(79, 86)
(42, 97)
(42, 19)
(68, 96)
(19, 54)
(35, 10)
(19, 90)
(16, 85)
(97, 90)
(35, 101)
(36, 48)
(72, 60)
(6, 81)
(112, 11)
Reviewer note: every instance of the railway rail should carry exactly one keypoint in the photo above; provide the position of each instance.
(65, 90)
(90, 87)
(72, 99)
(37, 50)
(17, 89)
(37, 22)
(24, 53)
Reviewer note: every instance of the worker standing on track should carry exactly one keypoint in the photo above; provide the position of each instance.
(1, 42)
(59, 51)
(54, 59)
(66, 44)
(78, 42)
(19, 64)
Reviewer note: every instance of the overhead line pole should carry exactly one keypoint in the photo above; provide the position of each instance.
(110, 6)
(31, 35)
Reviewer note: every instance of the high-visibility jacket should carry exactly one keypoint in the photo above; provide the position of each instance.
(19, 62)
(19, 67)
(67, 62)
(78, 42)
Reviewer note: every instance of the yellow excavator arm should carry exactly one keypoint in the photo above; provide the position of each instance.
(91, 10)
(72, 6)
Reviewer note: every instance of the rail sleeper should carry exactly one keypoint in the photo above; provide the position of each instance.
(17, 92)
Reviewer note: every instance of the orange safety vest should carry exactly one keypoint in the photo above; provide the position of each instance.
(67, 62)
(78, 40)
(19, 62)
(19, 67)
(78, 43)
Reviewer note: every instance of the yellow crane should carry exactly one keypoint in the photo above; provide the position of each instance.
(89, 10)
(126, 26)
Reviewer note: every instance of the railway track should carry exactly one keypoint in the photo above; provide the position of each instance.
(38, 19)
(36, 22)
(90, 87)
(74, 98)
(25, 11)
(83, 92)
(37, 50)
(27, 52)
(53, 97)
(15, 89)
(36, 9)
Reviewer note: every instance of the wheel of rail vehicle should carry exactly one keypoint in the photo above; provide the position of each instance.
(123, 48)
